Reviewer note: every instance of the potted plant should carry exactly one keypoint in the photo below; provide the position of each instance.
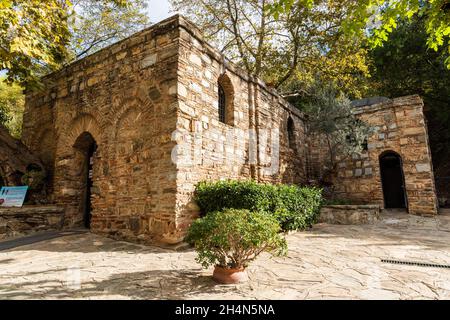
(232, 238)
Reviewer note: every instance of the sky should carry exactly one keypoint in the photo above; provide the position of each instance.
(158, 10)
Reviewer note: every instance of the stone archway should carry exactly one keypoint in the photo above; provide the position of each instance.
(393, 181)
(73, 186)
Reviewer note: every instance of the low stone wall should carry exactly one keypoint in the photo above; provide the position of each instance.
(16, 222)
(350, 214)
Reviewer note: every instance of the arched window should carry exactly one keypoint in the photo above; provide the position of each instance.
(291, 133)
(222, 104)
(226, 100)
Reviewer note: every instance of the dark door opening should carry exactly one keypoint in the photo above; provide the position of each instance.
(87, 216)
(393, 181)
(86, 146)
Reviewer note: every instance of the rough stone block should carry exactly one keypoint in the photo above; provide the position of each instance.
(195, 59)
(423, 167)
(350, 214)
(149, 60)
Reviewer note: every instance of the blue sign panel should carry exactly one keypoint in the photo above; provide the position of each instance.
(12, 196)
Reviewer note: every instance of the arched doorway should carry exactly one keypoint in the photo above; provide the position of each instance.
(393, 181)
(86, 147)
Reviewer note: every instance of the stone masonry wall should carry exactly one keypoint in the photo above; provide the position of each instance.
(399, 126)
(124, 97)
(130, 98)
(253, 141)
(350, 214)
(16, 222)
(150, 105)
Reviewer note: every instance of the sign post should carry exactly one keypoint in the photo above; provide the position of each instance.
(13, 196)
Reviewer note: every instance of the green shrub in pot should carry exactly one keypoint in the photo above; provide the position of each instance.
(233, 238)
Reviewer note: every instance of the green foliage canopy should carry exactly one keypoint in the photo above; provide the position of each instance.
(32, 33)
(294, 48)
(233, 238)
(295, 208)
(405, 65)
(331, 117)
(35, 35)
(97, 24)
(379, 18)
(12, 103)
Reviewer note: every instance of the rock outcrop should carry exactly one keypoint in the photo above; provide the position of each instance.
(15, 159)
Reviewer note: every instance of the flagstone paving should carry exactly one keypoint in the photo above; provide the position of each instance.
(328, 262)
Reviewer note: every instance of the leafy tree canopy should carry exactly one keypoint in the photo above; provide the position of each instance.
(405, 65)
(287, 51)
(35, 35)
(378, 18)
(11, 107)
(97, 24)
(331, 117)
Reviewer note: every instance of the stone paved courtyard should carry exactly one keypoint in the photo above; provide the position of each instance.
(329, 262)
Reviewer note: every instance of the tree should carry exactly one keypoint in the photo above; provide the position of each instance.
(12, 103)
(33, 34)
(379, 18)
(97, 24)
(331, 118)
(285, 51)
(405, 65)
(37, 37)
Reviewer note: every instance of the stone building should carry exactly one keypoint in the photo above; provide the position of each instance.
(128, 132)
(395, 170)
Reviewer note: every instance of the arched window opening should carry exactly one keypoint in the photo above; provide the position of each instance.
(291, 133)
(226, 100)
(222, 104)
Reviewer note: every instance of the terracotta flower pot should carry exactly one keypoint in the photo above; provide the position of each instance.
(230, 276)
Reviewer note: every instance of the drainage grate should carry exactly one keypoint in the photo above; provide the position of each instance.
(417, 264)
